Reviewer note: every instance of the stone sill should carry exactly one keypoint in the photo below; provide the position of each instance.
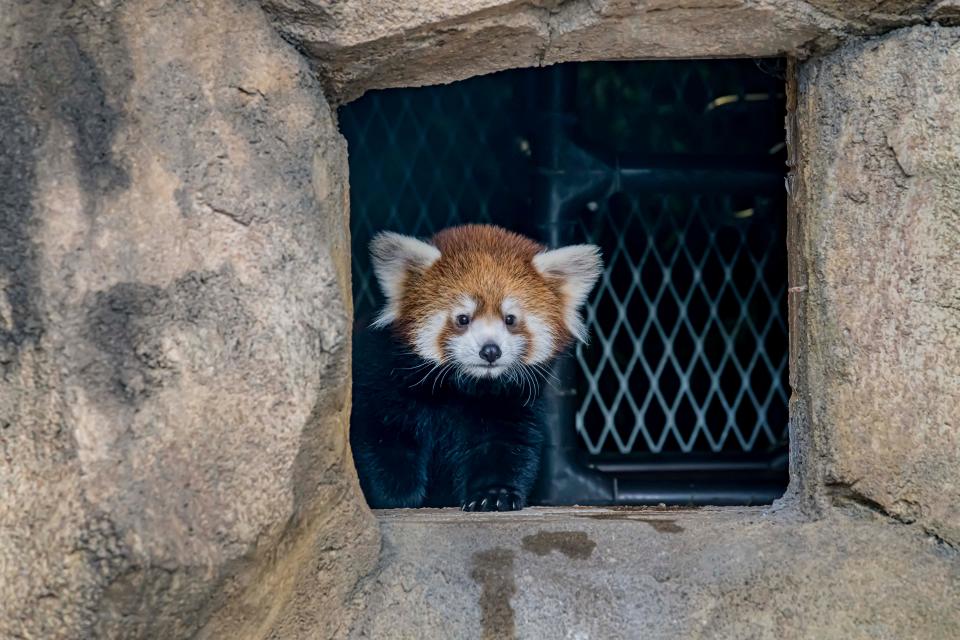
(581, 572)
(548, 515)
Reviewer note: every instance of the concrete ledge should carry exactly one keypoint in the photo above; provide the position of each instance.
(657, 573)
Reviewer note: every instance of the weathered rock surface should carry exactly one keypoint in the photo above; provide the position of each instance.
(652, 574)
(359, 45)
(174, 333)
(879, 327)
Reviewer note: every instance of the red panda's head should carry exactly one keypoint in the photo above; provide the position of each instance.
(483, 298)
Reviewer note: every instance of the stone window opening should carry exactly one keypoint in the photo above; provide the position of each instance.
(676, 170)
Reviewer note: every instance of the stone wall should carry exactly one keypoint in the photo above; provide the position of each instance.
(874, 146)
(359, 45)
(877, 291)
(174, 329)
(175, 299)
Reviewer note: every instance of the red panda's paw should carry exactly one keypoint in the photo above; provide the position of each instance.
(494, 499)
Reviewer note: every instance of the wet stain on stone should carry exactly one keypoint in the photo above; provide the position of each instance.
(636, 509)
(182, 196)
(493, 571)
(573, 544)
(127, 322)
(611, 516)
(85, 107)
(664, 526)
(661, 525)
(20, 320)
(124, 323)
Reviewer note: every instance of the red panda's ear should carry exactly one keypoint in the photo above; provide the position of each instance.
(394, 256)
(577, 268)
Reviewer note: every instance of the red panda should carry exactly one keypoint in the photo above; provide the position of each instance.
(447, 379)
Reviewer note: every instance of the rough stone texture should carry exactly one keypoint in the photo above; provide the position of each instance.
(174, 302)
(876, 298)
(174, 335)
(946, 12)
(652, 574)
(360, 45)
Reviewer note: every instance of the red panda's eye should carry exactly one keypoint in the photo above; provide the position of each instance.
(510, 320)
(463, 320)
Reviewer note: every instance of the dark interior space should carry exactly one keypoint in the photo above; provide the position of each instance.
(676, 169)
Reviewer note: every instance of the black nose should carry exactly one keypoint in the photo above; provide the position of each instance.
(490, 352)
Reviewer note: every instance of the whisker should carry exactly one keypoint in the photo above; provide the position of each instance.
(546, 372)
(548, 378)
(534, 387)
(446, 369)
(525, 376)
(419, 366)
(433, 387)
(435, 367)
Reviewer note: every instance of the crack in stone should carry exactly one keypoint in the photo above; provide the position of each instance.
(844, 493)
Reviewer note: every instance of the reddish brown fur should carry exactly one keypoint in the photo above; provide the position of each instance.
(487, 263)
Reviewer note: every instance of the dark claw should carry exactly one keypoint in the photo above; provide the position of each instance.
(496, 499)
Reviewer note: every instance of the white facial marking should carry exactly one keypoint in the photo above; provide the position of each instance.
(426, 341)
(510, 306)
(542, 340)
(577, 267)
(465, 306)
(465, 345)
(394, 256)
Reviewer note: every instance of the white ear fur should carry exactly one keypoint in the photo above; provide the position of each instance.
(577, 267)
(394, 256)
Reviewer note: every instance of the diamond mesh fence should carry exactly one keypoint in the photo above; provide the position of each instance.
(425, 159)
(683, 163)
(688, 350)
